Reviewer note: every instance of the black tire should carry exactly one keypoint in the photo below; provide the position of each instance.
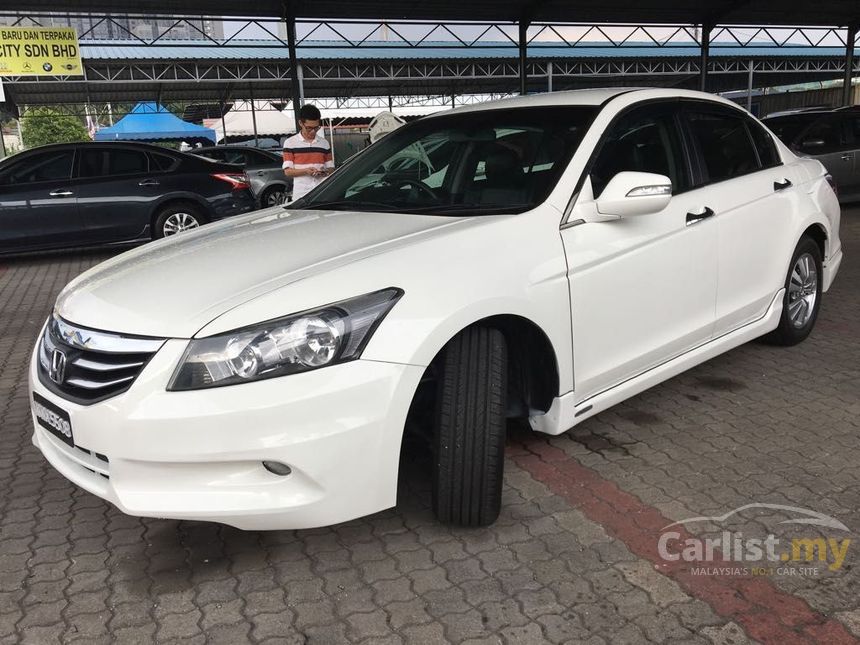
(789, 332)
(469, 434)
(176, 209)
(273, 196)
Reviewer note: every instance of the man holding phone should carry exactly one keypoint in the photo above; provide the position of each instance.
(307, 155)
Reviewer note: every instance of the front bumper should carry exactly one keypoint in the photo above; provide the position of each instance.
(198, 455)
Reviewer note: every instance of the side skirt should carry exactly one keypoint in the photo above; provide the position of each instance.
(565, 412)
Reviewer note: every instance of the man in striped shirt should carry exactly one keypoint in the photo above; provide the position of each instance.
(307, 156)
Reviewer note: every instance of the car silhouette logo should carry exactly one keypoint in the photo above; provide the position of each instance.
(57, 372)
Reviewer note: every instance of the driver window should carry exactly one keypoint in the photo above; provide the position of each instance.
(644, 140)
(46, 166)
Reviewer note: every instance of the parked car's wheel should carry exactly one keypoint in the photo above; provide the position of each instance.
(176, 218)
(273, 196)
(469, 437)
(802, 295)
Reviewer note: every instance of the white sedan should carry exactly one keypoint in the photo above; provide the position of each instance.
(545, 257)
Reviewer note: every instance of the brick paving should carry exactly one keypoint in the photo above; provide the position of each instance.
(572, 559)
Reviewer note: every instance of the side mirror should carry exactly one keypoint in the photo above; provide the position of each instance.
(635, 193)
(809, 144)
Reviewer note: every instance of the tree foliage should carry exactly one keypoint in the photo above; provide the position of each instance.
(44, 125)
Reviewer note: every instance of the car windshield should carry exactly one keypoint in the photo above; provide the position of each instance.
(483, 162)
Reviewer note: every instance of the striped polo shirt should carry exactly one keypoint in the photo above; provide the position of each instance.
(301, 153)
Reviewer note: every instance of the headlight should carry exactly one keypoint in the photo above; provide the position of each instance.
(305, 341)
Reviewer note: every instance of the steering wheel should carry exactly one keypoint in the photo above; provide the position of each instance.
(422, 187)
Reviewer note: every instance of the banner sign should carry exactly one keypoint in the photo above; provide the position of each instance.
(39, 51)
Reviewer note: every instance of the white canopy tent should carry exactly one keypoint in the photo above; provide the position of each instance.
(239, 121)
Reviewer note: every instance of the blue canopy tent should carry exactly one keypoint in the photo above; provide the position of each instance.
(150, 122)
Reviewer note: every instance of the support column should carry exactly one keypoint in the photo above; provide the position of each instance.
(850, 41)
(549, 76)
(749, 85)
(290, 19)
(254, 116)
(703, 59)
(523, 46)
(223, 123)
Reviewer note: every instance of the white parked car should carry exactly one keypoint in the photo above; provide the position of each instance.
(576, 249)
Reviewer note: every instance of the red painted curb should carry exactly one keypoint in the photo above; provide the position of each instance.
(766, 613)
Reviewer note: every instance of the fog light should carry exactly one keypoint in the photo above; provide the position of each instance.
(277, 468)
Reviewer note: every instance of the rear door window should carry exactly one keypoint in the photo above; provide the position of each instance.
(724, 142)
(127, 162)
(105, 162)
(47, 166)
(827, 135)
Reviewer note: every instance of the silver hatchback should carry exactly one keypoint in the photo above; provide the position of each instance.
(263, 167)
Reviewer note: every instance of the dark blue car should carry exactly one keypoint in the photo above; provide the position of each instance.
(91, 194)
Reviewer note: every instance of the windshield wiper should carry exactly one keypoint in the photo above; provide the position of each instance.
(474, 209)
(346, 204)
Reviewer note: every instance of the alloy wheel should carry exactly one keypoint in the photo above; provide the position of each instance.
(178, 222)
(802, 291)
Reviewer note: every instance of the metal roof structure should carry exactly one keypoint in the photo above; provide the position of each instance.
(123, 71)
(747, 12)
(350, 48)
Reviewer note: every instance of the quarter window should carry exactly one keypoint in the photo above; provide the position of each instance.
(767, 153)
(644, 140)
(161, 162)
(724, 144)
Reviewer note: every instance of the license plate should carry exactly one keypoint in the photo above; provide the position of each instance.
(53, 419)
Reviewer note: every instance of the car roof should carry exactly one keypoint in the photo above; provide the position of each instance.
(589, 97)
(118, 144)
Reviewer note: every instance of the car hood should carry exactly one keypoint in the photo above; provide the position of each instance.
(172, 288)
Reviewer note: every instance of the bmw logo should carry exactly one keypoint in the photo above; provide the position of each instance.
(47, 67)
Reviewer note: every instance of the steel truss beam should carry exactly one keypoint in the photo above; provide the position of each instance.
(170, 72)
(406, 34)
(117, 110)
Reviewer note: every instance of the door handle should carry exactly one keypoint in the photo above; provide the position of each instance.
(705, 213)
(785, 183)
(148, 182)
(61, 192)
(261, 172)
(847, 157)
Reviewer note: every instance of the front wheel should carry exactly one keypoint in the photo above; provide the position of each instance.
(469, 436)
(802, 295)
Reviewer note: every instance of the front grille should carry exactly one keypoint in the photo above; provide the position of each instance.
(86, 366)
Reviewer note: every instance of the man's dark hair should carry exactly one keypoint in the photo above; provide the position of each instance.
(309, 113)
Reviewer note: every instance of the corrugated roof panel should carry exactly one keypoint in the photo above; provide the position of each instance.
(392, 51)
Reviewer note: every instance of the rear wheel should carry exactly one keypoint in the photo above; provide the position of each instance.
(273, 196)
(469, 435)
(802, 295)
(177, 218)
